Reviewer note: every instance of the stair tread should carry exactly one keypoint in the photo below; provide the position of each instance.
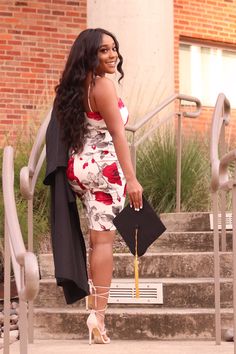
(205, 232)
(135, 310)
(158, 280)
(151, 254)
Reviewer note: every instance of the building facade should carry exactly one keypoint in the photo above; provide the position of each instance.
(205, 33)
(165, 45)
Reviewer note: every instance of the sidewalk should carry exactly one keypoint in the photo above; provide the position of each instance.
(125, 347)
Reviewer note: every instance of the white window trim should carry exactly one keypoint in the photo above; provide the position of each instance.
(215, 69)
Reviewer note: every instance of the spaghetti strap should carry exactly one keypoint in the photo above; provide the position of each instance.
(89, 90)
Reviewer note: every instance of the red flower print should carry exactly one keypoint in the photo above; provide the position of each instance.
(93, 160)
(103, 227)
(70, 173)
(70, 169)
(85, 165)
(93, 147)
(103, 197)
(120, 103)
(112, 173)
(94, 115)
(105, 152)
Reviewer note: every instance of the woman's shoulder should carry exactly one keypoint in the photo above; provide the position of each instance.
(104, 85)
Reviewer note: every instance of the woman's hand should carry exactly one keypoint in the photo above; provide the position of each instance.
(135, 191)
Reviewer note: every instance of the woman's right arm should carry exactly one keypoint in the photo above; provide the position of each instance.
(106, 103)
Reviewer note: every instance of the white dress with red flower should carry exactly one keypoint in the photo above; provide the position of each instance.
(95, 173)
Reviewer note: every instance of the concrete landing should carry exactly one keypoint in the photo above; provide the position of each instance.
(125, 347)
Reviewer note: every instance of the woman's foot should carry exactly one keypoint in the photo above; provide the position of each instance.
(97, 329)
(95, 321)
(102, 328)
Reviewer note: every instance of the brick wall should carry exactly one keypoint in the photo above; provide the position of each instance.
(35, 37)
(214, 21)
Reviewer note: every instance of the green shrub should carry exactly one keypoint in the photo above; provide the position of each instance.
(156, 171)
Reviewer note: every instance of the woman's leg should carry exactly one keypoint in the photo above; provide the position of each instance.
(101, 267)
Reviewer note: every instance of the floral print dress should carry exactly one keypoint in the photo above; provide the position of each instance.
(95, 174)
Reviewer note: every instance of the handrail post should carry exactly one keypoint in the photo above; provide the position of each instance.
(178, 161)
(23, 323)
(7, 289)
(223, 220)
(30, 225)
(234, 254)
(216, 267)
(133, 151)
(223, 193)
(31, 249)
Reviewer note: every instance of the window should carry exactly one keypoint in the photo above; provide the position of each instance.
(206, 71)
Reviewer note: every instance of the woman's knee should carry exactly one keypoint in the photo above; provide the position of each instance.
(101, 237)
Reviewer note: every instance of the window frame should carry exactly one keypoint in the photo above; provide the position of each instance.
(198, 91)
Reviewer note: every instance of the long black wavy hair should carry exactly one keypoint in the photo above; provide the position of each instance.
(69, 106)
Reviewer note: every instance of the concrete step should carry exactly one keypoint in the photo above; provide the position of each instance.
(198, 221)
(131, 324)
(194, 221)
(189, 241)
(159, 265)
(186, 232)
(177, 293)
(180, 241)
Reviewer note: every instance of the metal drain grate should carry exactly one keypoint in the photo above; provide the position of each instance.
(229, 221)
(122, 291)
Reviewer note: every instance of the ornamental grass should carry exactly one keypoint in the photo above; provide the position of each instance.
(41, 197)
(156, 171)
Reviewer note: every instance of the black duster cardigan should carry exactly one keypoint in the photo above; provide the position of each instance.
(68, 244)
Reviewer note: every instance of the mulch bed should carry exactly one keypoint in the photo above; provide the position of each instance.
(13, 290)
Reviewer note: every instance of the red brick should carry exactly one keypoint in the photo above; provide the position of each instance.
(29, 33)
(43, 11)
(79, 20)
(6, 121)
(73, 3)
(13, 116)
(50, 29)
(26, 9)
(58, 13)
(2, 13)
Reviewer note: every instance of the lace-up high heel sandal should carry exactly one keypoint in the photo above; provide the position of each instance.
(98, 333)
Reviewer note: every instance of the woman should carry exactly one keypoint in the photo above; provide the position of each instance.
(99, 170)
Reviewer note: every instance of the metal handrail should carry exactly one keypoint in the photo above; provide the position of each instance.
(180, 114)
(220, 119)
(24, 263)
(29, 174)
(28, 178)
(163, 105)
(222, 182)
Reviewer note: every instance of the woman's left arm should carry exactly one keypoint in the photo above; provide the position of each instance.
(107, 105)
